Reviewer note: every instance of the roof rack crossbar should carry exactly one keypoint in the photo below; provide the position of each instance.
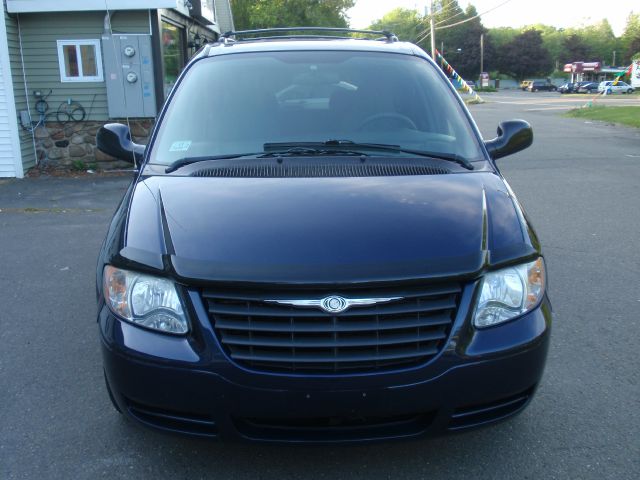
(303, 37)
(389, 36)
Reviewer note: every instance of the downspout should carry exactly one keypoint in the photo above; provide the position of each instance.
(26, 93)
(107, 23)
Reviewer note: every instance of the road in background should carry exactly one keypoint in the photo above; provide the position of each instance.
(580, 184)
(540, 101)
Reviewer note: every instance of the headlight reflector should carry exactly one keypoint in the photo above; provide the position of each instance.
(510, 292)
(146, 300)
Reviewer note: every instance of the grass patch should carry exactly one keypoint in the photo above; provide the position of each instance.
(623, 115)
(78, 165)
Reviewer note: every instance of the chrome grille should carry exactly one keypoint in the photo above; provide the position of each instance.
(282, 338)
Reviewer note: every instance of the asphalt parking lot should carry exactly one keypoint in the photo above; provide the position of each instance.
(550, 101)
(580, 183)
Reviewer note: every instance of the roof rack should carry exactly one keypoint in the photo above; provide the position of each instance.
(233, 36)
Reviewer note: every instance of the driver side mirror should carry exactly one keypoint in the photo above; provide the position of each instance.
(513, 136)
(115, 139)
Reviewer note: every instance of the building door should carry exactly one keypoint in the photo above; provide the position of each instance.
(173, 54)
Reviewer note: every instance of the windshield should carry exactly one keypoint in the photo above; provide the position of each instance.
(238, 103)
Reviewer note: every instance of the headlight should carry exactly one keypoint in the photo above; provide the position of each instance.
(144, 300)
(509, 292)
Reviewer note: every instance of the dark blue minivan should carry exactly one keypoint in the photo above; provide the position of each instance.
(319, 247)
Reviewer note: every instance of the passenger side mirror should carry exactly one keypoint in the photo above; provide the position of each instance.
(513, 136)
(115, 139)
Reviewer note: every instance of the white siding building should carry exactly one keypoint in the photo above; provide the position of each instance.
(10, 158)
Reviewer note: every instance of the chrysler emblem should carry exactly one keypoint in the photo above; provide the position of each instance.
(334, 303)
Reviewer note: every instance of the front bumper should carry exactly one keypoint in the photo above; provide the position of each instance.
(187, 385)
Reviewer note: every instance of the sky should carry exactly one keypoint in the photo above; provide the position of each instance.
(515, 13)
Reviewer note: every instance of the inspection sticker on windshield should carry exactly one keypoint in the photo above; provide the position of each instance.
(181, 146)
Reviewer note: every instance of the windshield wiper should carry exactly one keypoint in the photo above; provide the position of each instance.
(358, 147)
(292, 152)
(280, 149)
(451, 157)
(181, 162)
(305, 151)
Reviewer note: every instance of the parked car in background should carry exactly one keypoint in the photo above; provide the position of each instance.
(567, 88)
(589, 87)
(471, 84)
(541, 85)
(525, 84)
(577, 85)
(620, 87)
(338, 260)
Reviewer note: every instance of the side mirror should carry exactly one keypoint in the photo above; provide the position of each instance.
(513, 136)
(115, 139)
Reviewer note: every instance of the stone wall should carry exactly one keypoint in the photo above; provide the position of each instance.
(72, 146)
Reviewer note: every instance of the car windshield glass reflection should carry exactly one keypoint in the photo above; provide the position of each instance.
(236, 103)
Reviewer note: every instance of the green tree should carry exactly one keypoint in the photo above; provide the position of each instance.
(575, 49)
(241, 10)
(601, 41)
(405, 23)
(250, 14)
(633, 50)
(595, 42)
(525, 56)
(466, 38)
(501, 36)
(630, 40)
(553, 42)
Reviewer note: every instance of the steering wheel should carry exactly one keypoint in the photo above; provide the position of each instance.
(398, 117)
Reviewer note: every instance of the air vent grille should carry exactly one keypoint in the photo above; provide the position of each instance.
(320, 170)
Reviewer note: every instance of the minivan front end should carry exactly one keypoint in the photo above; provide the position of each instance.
(327, 255)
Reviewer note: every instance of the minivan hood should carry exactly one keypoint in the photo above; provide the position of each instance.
(326, 230)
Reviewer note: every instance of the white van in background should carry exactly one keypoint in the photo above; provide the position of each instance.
(635, 74)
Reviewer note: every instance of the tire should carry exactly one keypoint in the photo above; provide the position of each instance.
(630, 90)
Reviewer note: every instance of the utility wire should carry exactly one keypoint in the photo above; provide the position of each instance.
(472, 18)
(461, 12)
(447, 6)
(428, 31)
(425, 33)
(115, 56)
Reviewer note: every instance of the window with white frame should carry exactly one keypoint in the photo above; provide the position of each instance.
(80, 61)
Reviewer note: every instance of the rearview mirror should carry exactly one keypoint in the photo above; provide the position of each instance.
(513, 136)
(115, 139)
